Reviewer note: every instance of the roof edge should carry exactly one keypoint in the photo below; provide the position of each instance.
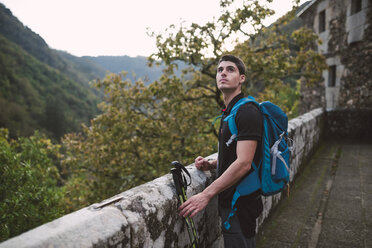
(307, 7)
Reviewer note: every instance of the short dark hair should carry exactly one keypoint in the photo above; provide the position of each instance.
(237, 61)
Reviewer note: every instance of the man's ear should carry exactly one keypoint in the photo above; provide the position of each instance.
(242, 79)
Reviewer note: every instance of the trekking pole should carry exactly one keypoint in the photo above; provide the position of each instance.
(178, 172)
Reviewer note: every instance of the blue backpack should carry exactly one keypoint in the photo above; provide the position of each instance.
(272, 173)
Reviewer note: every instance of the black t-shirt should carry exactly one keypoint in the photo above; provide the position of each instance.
(249, 124)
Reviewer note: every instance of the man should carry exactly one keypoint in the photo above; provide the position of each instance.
(234, 161)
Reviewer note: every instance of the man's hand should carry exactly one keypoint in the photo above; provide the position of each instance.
(198, 202)
(204, 164)
(194, 205)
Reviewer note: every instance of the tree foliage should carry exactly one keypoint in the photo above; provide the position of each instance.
(275, 59)
(143, 128)
(29, 178)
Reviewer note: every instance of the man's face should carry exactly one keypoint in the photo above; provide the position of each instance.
(228, 77)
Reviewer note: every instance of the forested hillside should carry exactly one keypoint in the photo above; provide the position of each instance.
(36, 96)
(13, 30)
(48, 90)
(40, 90)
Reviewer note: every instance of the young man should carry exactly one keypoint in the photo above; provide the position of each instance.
(234, 161)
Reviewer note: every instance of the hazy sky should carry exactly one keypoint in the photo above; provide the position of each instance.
(113, 27)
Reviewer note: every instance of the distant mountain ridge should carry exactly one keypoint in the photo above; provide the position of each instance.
(82, 69)
(135, 66)
(48, 90)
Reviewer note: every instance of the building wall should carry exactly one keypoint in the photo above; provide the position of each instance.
(311, 96)
(347, 46)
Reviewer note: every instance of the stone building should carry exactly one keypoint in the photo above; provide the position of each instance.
(344, 26)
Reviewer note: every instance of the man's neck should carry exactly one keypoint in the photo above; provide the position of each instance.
(227, 97)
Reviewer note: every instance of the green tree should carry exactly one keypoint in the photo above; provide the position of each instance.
(142, 129)
(275, 59)
(29, 191)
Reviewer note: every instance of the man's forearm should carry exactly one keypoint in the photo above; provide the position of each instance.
(245, 151)
(231, 176)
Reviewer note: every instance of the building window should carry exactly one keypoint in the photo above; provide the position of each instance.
(322, 21)
(332, 76)
(356, 6)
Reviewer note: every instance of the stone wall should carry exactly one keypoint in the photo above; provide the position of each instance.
(349, 124)
(311, 96)
(146, 216)
(355, 51)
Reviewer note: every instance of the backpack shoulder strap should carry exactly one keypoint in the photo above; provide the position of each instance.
(231, 117)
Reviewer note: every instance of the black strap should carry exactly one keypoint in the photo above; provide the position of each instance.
(180, 182)
(180, 170)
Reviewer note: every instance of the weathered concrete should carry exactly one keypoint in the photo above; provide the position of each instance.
(146, 216)
(330, 204)
(356, 23)
(83, 228)
(151, 211)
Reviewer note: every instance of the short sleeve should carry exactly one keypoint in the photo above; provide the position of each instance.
(249, 122)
